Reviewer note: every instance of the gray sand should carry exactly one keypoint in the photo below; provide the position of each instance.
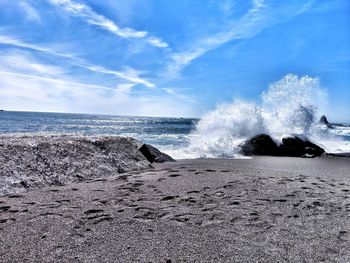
(261, 210)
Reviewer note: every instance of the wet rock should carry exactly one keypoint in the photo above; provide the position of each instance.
(294, 146)
(261, 144)
(323, 120)
(152, 154)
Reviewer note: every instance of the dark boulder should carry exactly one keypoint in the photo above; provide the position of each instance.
(152, 154)
(293, 146)
(297, 146)
(261, 144)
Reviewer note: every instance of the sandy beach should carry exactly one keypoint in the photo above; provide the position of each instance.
(265, 209)
(153, 131)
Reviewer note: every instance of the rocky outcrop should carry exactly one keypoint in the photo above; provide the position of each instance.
(294, 146)
(34, 161)
(154, 155)
(297, 146)
(323, 120)
(261, 144)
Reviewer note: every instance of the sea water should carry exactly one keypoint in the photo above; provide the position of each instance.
(289, 106)
(181, 137)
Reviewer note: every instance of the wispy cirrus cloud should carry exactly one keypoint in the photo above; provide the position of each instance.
(128, 74)
(174, 92)
(259, 17)
(22, 62)
(16, 42)
(90, 16)
(31, 13)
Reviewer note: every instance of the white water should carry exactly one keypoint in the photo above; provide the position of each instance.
(288, 106)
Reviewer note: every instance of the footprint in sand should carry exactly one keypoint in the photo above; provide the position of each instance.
(168, 198)
(290, 195)
(102, 219)
(188, 200)
(15, 196)
(4, 208)
(279, 200)
(99, 180)
(161, 179)
(193, 192)
(305, 188)
(103, 202)
(174, 175)
(93, 211)
(151, 215)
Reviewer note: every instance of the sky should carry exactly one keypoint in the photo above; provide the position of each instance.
(168, 58)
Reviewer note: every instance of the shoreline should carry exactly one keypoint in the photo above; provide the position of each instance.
(264, 209)
(32, 161)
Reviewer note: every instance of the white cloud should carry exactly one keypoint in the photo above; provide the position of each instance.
(90, 16)
(157, 42)
(31, 13)
(36, 93)
(16, 42)
(227, 6)
(129, 74)
(24, 63)
(173, 92)
(52, 81)
(28, 84)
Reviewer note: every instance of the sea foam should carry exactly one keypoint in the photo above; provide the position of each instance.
(289, 106)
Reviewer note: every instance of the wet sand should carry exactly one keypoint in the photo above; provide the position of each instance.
(265, 209)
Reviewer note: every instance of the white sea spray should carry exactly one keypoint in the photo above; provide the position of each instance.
(289, 106)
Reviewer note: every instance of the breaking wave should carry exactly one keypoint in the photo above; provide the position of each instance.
(289, 106)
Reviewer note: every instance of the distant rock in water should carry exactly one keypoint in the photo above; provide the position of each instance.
(323, 120)
(293, 146)
(154, 155)
(35, 161)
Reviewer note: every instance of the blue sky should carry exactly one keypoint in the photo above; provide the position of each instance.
(168, 58)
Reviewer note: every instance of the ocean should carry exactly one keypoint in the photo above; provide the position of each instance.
(165, 133)
(179, 137)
